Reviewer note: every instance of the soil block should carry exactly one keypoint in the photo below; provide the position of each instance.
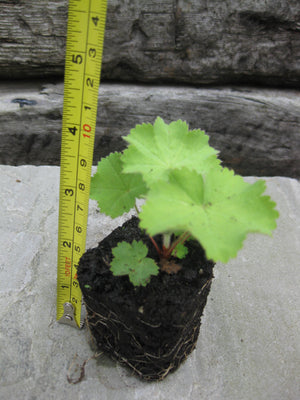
(150, 329)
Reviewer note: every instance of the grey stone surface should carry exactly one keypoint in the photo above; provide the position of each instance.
(256, 130)
(248, 347)
(193, 41)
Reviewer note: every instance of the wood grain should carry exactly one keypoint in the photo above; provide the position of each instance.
(256, 130)
(188, 41)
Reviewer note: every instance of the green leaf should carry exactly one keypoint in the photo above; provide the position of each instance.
(130, 259)
(218, 210)
(155, 150)
(115, 191)
(180, 251)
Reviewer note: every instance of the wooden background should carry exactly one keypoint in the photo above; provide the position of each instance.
(231, 68)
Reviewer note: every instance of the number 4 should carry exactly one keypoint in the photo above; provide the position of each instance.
(73, 130)
(95, 20)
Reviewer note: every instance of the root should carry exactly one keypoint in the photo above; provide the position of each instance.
(148, 363)
(75, 367)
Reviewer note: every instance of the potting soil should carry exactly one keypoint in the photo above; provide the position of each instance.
(150, 329)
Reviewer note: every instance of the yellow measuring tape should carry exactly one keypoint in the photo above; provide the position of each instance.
(85, 37)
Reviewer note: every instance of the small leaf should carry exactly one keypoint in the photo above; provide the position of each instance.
(180, 251)
(218, 210)
(155, 150)
(88, 286)
(130, 259)
(115, 191)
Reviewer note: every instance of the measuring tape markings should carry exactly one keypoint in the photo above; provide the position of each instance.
(86, 23)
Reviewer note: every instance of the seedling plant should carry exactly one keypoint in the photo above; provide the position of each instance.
(187, 195)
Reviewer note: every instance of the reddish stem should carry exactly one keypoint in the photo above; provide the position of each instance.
(155, 245)
(167, 252)
(182, 238)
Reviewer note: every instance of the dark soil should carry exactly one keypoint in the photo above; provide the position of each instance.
(151, 329)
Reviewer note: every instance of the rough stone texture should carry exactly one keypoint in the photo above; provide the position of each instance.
(256, 130)
(236, 41)
(248, 346)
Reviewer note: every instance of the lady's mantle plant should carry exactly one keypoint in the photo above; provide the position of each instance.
(187, 193)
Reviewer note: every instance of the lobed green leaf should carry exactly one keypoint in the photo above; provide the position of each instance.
(218, 209)
(155, 150)
(180, 251)
(115, 191)
(130, 259)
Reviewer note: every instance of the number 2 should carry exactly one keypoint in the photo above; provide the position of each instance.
(90, 82)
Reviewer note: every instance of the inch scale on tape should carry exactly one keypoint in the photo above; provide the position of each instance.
(85, 37)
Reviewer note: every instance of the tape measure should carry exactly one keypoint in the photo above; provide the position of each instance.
(85, 37)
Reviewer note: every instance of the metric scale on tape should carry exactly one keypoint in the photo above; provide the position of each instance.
(85, 36)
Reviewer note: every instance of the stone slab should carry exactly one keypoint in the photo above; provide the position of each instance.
(249, 343)
(255, 130)
(223, 42)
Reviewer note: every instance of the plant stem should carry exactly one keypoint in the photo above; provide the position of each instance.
(136, 209)
(155, 245)
(166, 252)
(181, 239)
(166, 240)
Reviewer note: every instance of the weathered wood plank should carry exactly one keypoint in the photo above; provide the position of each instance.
(256, 130)
(199, 42)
